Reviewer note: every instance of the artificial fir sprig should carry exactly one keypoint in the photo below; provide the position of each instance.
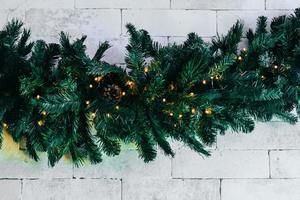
(57, 99)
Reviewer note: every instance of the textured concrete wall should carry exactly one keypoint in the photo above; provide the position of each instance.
(263, 165)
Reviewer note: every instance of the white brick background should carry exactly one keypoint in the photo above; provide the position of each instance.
(263, 165)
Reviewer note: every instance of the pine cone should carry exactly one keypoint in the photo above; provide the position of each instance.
(113, 92)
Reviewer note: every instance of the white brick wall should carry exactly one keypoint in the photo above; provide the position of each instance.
(218, 4)
(172, 22)
(263, 165)
(70, 189)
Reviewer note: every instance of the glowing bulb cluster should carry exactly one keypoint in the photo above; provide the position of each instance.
(130, 84)
(208, 111)
(93, 115)
(172, 87)
(98, 78)
(146, 69)
(193, 110)
(41, 122)
(5, 125)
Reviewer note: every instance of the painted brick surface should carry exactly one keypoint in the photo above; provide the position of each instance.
(12, 4)
(57, 4)
(282, 4)
(172, 22)
(157, 4)
(90, 189)
(218, 4)
(10, 189)
(221, 164)
(227, 18)
(9, 14)
(263, 165)
(127, 165)
(15, 164)
(274, 135)
(285, 164)
(12, 167)
(150, 189)
(262, 189)
(94, 23)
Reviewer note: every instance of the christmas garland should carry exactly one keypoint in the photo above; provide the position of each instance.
(54, 98)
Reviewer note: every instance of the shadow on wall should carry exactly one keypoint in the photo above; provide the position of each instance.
(12, 151)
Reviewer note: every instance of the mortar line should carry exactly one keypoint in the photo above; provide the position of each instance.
(21, 189)
(171, 168)
(121, 189)
(265, 4)
(217, 30)
(73, 172)
(269, 159)
(121, 10)
(220, 189)
(185, 9)
(253, 149)
(237, 178)
(25, 17)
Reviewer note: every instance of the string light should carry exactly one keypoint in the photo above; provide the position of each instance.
(117, 107)
(44, 113)
(38, 96)
(93, 115)
(130, 84)
(193, 110)
(40, 122)
(208, 111)
(171, 114)
(180, 116)
(90, 86)
(240, 58)
(275, 66)
(164, 100)
(108, 115)
(172, 87)
(263, 77)
(192, 94)
(98, 78)
(204, 82)
(211, 77)
(244, 49)
(5, 125)
(123, 93)
(175, 125)
(87, 102)
(146, 69)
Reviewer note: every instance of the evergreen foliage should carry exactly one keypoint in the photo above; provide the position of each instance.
(57, 99)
